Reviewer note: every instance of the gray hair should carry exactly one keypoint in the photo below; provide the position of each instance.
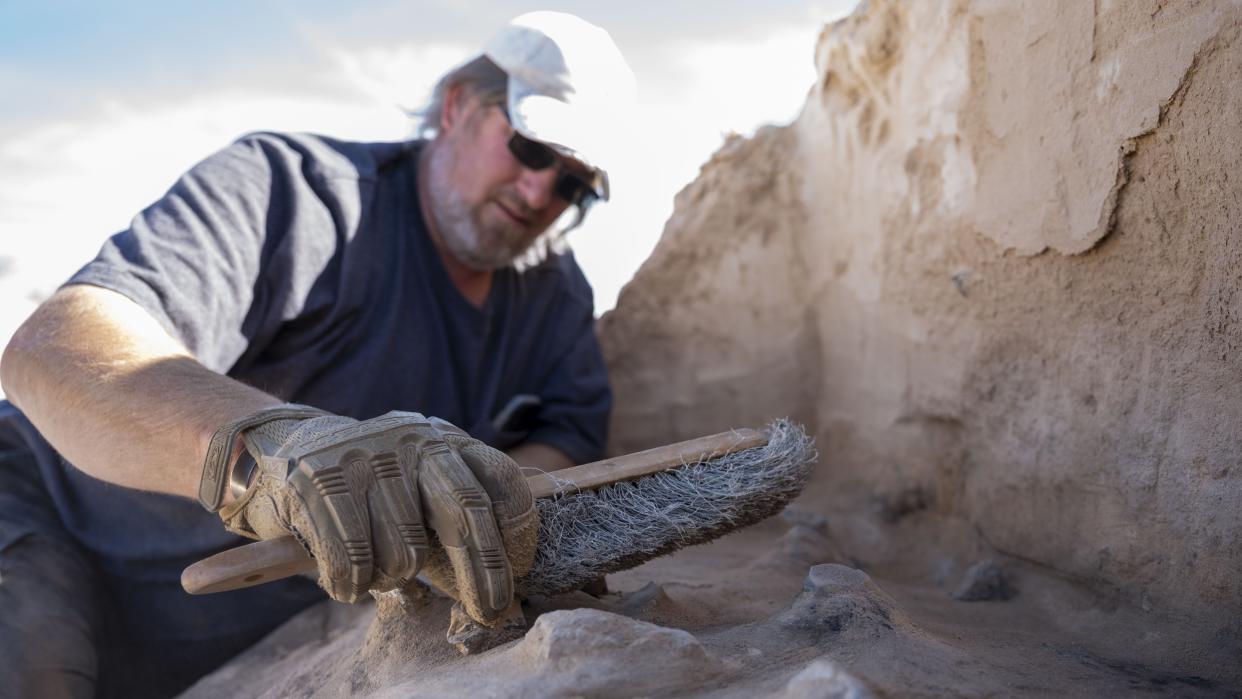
(480, 77)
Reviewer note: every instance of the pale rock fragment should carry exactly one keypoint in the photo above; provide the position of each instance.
(824, 679)
(807, 542)
(597, 653)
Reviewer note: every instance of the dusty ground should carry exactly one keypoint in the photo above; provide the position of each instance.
(772, 611)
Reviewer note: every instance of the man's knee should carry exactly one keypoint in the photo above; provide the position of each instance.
(49, 617)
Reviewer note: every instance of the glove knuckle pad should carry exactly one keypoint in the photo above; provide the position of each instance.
(460, 511)
(400, 538)
(342, 534)
(501, 478)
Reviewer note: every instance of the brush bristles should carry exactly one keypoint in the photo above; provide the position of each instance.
(588, 534)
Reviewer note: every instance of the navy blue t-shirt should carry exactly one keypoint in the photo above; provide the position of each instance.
(302, 266)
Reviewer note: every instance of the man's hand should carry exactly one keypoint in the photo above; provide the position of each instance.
(357, 495)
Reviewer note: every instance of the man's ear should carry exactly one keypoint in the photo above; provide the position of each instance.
(456, 107)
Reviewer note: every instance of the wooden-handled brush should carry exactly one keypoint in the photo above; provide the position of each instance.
(605, 516)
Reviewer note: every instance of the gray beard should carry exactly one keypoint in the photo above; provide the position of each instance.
(460, 231)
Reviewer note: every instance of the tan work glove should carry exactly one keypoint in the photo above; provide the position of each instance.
(356, 494)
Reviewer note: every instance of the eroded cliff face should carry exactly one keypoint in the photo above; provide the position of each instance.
(996, 265)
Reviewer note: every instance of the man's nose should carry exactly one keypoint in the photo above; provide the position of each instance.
(537, 187)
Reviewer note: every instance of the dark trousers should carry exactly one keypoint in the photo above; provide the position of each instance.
(69, 630)
(51, 604)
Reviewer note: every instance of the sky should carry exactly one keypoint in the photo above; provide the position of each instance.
(105, 104)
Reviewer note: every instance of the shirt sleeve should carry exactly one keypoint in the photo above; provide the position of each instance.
(576, 398)
(198, 258)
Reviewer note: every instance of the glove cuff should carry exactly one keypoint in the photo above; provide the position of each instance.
(215, 467)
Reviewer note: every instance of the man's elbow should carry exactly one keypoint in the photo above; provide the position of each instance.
(19, 353)
(33, 352)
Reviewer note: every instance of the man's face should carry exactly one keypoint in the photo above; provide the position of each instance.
(487, 207)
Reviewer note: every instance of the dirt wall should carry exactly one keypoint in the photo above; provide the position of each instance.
(996, 266)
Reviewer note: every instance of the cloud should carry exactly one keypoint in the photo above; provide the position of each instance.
(66, 184)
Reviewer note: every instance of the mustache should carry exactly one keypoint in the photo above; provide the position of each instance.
(515, 203)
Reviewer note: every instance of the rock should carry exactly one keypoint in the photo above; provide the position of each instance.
(836, 599)
(469, 636)
(807, 542)
(984, 581)
(800, 517)
(646, 599)
(595, 653)
(833, 578)
(824, 679)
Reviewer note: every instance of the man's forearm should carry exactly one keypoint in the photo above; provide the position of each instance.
(115, 394)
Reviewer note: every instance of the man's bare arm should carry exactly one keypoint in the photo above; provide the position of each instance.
(540, 456)
(116, 394)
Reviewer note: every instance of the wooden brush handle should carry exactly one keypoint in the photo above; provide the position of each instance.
(273, 559)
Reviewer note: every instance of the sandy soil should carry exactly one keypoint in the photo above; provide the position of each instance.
(775, 611)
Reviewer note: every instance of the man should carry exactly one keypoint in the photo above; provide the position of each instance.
(245, 343)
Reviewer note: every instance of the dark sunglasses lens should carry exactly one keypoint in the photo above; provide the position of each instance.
(531, 154)
(537, 156)
(573, 189)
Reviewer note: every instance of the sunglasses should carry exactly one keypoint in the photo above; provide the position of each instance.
(534, 155)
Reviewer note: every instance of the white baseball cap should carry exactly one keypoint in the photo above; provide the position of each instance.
(569, 86)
